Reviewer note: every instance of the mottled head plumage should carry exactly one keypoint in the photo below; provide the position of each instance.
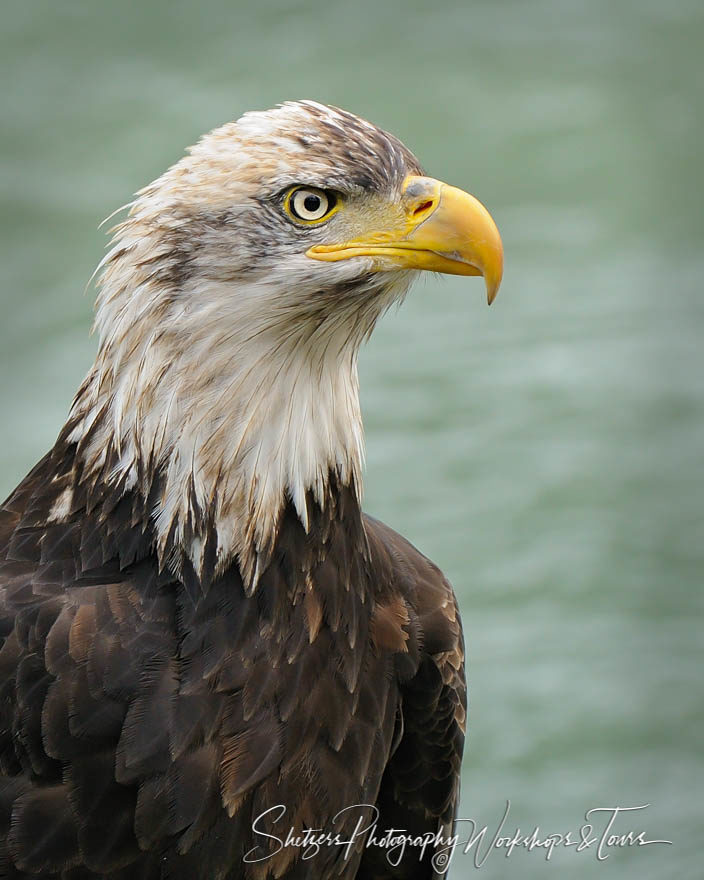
(339, 148)
(227, 358)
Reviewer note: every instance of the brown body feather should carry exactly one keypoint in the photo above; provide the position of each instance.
(147, 722)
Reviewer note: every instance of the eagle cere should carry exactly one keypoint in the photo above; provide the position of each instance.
(198, 622)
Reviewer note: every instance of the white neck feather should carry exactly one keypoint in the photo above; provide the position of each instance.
(240, 408)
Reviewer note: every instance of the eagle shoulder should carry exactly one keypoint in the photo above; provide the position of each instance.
(420, 787)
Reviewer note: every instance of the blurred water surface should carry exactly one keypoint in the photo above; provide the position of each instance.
(546, 452)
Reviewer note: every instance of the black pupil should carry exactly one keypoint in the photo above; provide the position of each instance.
(311, 203)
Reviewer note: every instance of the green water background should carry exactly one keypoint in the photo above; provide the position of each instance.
(546, 452)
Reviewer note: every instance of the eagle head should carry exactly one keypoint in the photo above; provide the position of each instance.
(231, 308)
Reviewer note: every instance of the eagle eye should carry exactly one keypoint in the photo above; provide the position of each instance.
(308, 204)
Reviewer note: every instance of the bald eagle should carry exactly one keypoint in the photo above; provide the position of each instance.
(207, 648)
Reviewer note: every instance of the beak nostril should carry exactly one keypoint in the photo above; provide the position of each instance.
(422, 207)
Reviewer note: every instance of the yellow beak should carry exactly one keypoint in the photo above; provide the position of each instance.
(443, 229)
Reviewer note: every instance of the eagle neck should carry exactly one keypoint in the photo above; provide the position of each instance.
(222, 435)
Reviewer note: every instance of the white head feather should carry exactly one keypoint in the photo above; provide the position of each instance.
(227, 359)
